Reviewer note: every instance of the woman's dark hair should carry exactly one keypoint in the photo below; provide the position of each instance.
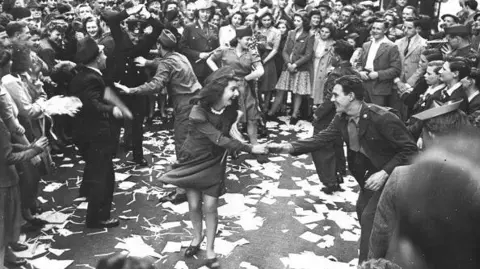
(60, 26)
(242, 16)
(305, 21)
(331, 28)
(286, 25)
(395, 19)
(266, 14)
(21, 59)
(352, 83)
(215, 84)
(475, 75)
(97, 22)
(433, 55)
(212, 11)
(462, 67)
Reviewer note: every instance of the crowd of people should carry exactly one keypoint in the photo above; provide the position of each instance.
(387, 79)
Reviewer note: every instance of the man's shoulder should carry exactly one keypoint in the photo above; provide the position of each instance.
(381, 113)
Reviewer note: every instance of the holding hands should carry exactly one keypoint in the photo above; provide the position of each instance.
(280, 148)
(260, 148)
(123, 88)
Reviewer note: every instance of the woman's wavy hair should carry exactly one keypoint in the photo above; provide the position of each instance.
(305, 21)
(215, 84)
(267, 14)
(97, 21)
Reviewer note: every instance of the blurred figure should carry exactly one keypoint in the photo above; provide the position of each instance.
(121, 261)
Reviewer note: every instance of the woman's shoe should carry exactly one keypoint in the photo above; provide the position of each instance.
(192, 250)
(293, 121)
(17, 247)
(213, 263)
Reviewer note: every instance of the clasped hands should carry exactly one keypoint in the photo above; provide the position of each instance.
(269, 147)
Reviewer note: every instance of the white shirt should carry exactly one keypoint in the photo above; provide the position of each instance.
(433, 90)
(453, 88)
(470, 98)
(373, 52)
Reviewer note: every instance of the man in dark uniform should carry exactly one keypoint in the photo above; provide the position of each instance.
(92, 132)
(458, 37)
(200, 39)
(330, 161)
(128, 46)
(377, 139)
(346, 24)
(174, 72)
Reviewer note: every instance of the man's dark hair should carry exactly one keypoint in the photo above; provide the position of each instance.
(15, 27)
(352, 83)
(385, 23)
(343, 49)
(472, 4)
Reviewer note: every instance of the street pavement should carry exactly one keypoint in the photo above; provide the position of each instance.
(273, 215)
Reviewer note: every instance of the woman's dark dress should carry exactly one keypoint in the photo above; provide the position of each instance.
(202, 161)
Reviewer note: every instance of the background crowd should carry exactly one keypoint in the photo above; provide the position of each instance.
(288, 54)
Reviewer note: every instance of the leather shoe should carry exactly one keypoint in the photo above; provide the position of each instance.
(331, 189)
(109, 223)
(141, 162)
(17, 247)
(16, 262)
(174, 197)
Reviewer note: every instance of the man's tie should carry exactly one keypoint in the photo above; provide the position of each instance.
(354, 142)
(405, 52)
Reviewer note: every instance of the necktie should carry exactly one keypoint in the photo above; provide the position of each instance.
(354, 143)
(405, 52)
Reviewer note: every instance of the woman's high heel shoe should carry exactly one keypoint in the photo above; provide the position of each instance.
(192, 250)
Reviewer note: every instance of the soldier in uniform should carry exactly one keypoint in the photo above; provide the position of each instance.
(458, 37)
(200, 39)
(129, 45)
(377, 139)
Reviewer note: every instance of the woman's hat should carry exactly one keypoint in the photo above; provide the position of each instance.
(203, 4)
(171, 15)
(243, 31)
(438, 109)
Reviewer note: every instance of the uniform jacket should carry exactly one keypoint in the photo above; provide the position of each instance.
(194, 41)
(457, 94)
(345, 31)
(410, 71)
(387, 63)
(125, 51)
(93, 120)
(474, 105)
(382, 135)
(298, 51)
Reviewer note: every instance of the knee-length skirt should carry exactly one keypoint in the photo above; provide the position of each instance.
(298, 82)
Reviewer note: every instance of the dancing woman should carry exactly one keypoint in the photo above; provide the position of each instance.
(202, 158)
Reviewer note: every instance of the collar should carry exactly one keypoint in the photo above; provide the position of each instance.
(356, 116)
(380, 41)
(96, 70)
(452, 89)
(470, 98)
(435, 89)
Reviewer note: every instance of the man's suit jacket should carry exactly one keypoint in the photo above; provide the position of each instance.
(382, 135)
(457, 94)
(387, 63)
(474, 105)
(194, 41)
(93, 120)
(410, 68)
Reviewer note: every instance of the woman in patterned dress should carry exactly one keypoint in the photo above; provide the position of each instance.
(295, 76)
(202, 159)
